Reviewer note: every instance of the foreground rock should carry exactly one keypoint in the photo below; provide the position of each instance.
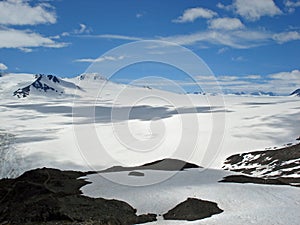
(51, 195)
(281, 164)
(193, 209)
(255, 180)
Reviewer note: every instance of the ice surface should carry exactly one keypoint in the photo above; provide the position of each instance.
(66, 132)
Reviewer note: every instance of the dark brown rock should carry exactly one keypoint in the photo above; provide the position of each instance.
(254, 180)
(193, 209)
(50, 196)
(136, 173)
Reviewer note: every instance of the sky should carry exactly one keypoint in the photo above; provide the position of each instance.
(248, 45)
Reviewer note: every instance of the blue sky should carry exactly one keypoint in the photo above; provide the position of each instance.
(249, 45)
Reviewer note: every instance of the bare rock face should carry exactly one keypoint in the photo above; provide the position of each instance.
(51, 195)
(193, 209)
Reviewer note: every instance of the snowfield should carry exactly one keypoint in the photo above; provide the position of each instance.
(117, 124)
(102, 124)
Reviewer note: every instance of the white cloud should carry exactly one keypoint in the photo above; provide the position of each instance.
(222, 6)
(83, 29)
(65, 34)
(138, 15)
(3, 66)
(240, 38)
(291, 5)
(26, 50)
(222, 50)
(236, 39)
(238, 59)
(114, 36)
(292, 76)
(101, 59)
(190, 15)
(254, 9)
(20, 12)
(286, 36)
(24, 39)
(225, 24)
(280, 83)
(253, 77)
(285, 82)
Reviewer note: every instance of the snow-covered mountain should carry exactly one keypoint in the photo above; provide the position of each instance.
(45, 85)
(296, 93)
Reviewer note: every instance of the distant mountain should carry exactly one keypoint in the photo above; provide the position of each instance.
(296, 92)
(261, 93)
(255, 93)
(240, 93)
(43, 84)
(91, 76)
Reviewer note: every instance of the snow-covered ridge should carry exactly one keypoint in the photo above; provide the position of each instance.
(275, 163)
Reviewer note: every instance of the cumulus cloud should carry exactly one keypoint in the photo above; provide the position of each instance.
(286, 36)
(253, 10)
(20, 12)
(190, 15)
(101, 59)
(225, 24)
(3, 66)
(24, 39)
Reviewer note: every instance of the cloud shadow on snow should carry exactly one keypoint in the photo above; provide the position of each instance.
(107, 114)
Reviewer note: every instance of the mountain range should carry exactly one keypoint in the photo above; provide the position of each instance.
(51, 85)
